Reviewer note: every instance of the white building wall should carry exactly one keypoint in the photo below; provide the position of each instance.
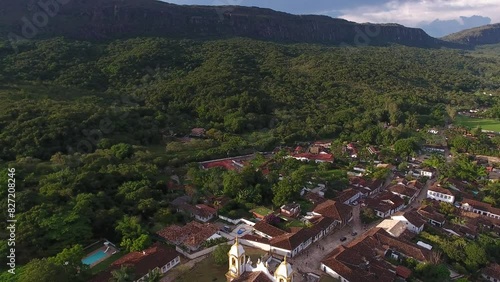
(440, 197)
(332, 273)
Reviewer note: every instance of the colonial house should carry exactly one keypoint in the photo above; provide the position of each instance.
(290, 210)
(157, 257)
(393, 227)
(441, 194)
(481, 208)
(322, 157)
(370, 186)
(340, 212)
(363, 258)
(431, 215)
(190, 236)
(200, 212)
(385, 204)
(289, 244)
(426, 173)
(412, 219)
(406, 193)
(267, 230)
(491, 273)
(348, 196)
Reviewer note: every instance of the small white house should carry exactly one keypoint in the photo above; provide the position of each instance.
(440, 194)
(412, 220)
(426, 173)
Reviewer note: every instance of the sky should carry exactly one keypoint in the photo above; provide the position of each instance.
(436, 17)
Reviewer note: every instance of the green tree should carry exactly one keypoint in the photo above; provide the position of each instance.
(122, 150)
(451, 112)
(405, 147)
(71, 259)
(432, 273)
(220, 254)
(134, 236)
(154, 276)
(43, 270)
(124, 274)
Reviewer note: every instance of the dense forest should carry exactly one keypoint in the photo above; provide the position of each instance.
(91, 128)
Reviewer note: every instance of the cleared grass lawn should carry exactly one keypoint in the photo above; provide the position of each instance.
(207, 270)
(484, 123)
(262, 211)
(107, 262)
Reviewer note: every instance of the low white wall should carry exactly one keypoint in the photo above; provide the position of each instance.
(200, 253)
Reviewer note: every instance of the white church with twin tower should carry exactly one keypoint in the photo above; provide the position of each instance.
(241, 270)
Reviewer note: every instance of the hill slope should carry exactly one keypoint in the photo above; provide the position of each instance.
(111, 19)
(488, 34)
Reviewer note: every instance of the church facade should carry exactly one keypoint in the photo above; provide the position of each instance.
(241, 268)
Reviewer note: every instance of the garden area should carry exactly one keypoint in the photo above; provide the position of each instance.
(214, 267)
(484, 123)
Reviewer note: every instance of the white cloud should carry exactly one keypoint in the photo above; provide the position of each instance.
(414, 12)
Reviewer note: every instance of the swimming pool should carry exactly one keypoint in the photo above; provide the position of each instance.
(94, 257)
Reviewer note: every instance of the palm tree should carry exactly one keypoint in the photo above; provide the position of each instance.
(124, 274)
(154, 276)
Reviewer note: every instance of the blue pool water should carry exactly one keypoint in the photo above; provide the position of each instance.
(94, 257)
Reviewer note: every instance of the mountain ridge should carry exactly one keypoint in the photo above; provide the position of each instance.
(486, 34)
(114, 19)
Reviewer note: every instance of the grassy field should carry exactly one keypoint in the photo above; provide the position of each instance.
(262, 211)
(207, 270)
(486, 124)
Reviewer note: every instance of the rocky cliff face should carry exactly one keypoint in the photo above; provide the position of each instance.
(110, 19)
(488, 34)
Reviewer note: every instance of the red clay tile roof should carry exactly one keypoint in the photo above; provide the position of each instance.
(481, 206)
(268, 229)
(227, 164)
(430, 213)
(416, 184)
(257, 276)
(414, 218)
(290, 241)
(315, 157)
(255, 238)
(314, 198)
(493, 270)
(335, 210)
(192, 234)
(362, 259)
(385, 202)
(157, 255)
(205, 211)
(403, 190)
(440, 189)
(403, 271)
(346, 195)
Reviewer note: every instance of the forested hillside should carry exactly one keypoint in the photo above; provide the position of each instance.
(86, 125)
(487, 34)
(161, 85)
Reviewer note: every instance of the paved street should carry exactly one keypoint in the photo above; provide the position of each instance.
(310, 259)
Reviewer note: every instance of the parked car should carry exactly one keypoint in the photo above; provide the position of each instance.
(343, 239)
(354, 233)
